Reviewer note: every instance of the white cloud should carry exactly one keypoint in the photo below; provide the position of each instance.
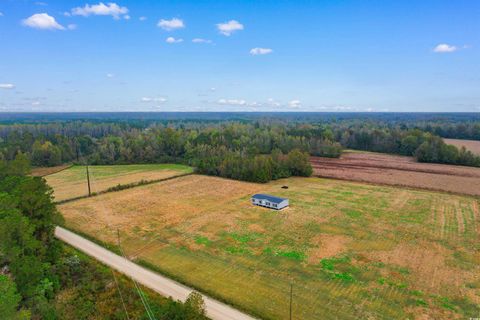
(126, 17)
(42, 21)
(444, 48)
(272, 103)
(148, 99)
(232, 102)
(142, 18)
(173, 40)
(200, 40)
(227, 28)
(72, 26)
(110, 75)
(260, 51)
(38, 3)
(170, 25)
(35, 103)
(6, 86)
(295, 104)
(110, 9)
(1, 14)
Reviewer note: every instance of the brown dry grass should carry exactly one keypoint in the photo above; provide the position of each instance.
(399, 171)
(192, 201)
(205, 231)
(472, 145)
(45, 171)
(427, 266)
(327, 246)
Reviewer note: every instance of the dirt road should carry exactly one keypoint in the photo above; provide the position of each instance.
(166, 287)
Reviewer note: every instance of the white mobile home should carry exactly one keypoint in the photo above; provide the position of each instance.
(265, 200)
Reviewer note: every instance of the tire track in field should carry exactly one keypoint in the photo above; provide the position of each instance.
(448, 222)
(460, 220)
(442, 221)
(433, 217)
(469, 223)
(475, 214)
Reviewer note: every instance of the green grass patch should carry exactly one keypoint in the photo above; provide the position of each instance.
(202, 240)
(352, 213)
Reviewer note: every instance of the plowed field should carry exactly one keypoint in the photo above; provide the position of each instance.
(399, 171)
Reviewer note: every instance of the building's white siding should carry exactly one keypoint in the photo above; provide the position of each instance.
(283, 204)
(269, 204)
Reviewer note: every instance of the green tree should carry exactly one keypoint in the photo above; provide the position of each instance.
(10, 300)
(46, 154)
(20, 166)
(195, 306)
(299, 163)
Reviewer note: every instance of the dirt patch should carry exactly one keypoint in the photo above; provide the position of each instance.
(327, 246)
(471, 145)
(425, 262)
(399, 171)
(256, 228)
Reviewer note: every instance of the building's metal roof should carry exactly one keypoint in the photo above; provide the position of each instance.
(268, 197)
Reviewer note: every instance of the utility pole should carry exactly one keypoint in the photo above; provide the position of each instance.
(88, 182)
(291, 299)
(118, 240)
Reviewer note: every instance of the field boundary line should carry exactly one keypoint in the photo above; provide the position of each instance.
(120, 187)
(167, 287)
(399, 185)
(319, 165)
(49, 174)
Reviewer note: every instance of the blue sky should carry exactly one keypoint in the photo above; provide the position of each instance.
(251, 56)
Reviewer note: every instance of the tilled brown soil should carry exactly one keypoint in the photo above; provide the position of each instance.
(399, 171)
(472, 145)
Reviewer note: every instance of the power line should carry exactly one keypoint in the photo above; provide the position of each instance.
(120, 293)
(149, 311)
(291, 298)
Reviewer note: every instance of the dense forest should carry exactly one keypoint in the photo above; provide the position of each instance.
(240, 147)
(41, 279)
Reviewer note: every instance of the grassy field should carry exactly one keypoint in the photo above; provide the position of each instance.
(352, 251)
(72, 182)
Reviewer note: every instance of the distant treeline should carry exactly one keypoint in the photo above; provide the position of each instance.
(259, 150)
(424, 146)
(251, 152)
(467, 131)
